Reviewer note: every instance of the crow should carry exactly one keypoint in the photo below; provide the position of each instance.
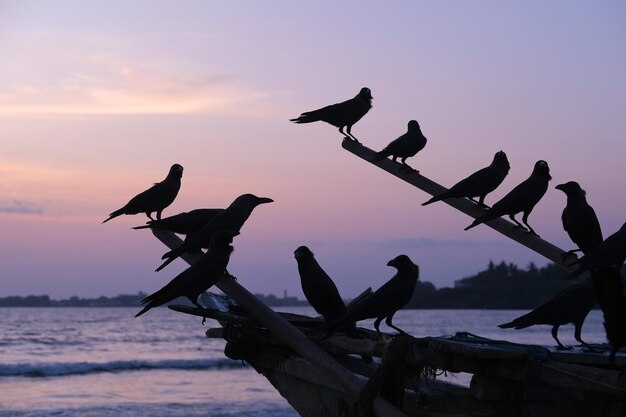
(344, 114)
(522, 198)
(319, 289)
(386, 300)
(406, 146)
(480, 183)
(607, 286)
(232, 218)
(579, 219)
(155, 198)
(570, 305)
(186, 223)
(610, 253)
(199, 277)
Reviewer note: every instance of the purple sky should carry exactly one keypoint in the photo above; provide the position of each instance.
(97, 100)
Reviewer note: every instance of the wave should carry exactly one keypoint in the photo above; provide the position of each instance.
(51, 369)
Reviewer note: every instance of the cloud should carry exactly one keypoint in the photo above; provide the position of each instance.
(107, 85)
(21, 207)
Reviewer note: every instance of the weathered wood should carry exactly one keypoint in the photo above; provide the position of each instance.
(584, 378)
(507, 228)
(286, 332)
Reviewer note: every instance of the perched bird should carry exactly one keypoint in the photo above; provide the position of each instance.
(522, 198)
(319, 289)
(610, 253)
(186, 223)
(405, 146)
(232, 218)
(344, 114)
(607, 286)
(196, 279)
(386, 300)
(155, 198)
(570, 305)
(480, 183)
(579, 219)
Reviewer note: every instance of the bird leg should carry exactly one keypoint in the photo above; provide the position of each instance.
(514, 220)
(229, 275)
(560, 346)
(348, 129)
(577, 330)
(344, 134)
(149, 216)
(388, 322)
(530, 229)
(158, 214)
(377, 326)
(407, 166)
(481, 201)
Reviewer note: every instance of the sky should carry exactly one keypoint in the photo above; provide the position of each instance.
(99, 99)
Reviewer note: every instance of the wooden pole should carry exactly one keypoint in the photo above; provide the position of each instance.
(288, 334)
(464, 205)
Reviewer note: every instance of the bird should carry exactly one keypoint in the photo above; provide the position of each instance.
(480, 183)
(232, 218)
(199, 277)
(522, 198)
(386, 300)
(607, 286)
(186, 223)
(319, 289)
(406, 146)
(579, 219)
(610, 253)
(344, 114)
(155, 198)
(570, 305)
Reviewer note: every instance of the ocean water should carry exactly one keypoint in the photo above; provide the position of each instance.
(96, 362)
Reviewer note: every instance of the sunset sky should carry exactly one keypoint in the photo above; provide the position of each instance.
(98, 99)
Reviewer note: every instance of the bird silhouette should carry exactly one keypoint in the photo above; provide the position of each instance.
(610, 253)
(570, 305)
(579, 219)
(186, 223)
(232, 218)
(319, 289)
(199, 277)
(607, 286)
(386, 300)
(344, 114)
(480, 183)
(522, 198)
(155, 198)
(406, 146)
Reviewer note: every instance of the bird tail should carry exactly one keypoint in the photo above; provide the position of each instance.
(517, 324)
(146, 308)
(148, 303)
(307, 117)
(145, 226)
(474, 224)
(167, 262)
(114, 215)
(434, 200)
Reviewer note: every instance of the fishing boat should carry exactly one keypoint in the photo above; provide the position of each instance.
(328, 376)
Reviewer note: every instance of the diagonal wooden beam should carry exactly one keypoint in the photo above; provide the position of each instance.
(287, 333)
(507, 228)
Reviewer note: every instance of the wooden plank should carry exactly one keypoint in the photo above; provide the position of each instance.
(507, 228)
(288, 334)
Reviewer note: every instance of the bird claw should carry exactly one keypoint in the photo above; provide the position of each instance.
(563, 347)
(532, 232)
(203, 320)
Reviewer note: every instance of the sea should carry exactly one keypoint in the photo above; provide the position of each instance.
(96, 362)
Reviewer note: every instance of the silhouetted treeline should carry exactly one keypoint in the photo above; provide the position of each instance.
(500, 286)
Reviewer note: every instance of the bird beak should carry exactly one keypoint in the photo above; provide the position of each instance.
(263, 200)
(391, 263)
(560, 187)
